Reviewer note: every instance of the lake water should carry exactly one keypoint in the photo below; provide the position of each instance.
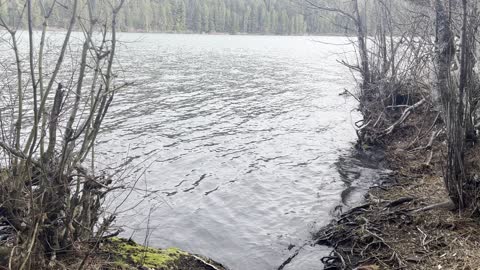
(245, 139)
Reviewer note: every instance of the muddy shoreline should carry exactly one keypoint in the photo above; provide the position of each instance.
(406, 222)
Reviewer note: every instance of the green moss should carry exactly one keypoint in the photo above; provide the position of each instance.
(128, 252)
(120, 264)
(365, 146)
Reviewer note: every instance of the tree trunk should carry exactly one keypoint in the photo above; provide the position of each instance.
(362, 48)
(452, 105)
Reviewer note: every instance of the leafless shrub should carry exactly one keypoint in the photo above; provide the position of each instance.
(55, 100)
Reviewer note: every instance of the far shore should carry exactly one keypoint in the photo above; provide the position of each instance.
(139, 31)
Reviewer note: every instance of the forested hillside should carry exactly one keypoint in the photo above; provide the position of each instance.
(282, 17)
(232, 16)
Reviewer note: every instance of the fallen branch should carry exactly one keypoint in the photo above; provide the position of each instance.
(359, 128)
(378, 119)
(399, 202)
(205, 262)
(429, 158)
(443, 205)
(404, 116)
(430, 141)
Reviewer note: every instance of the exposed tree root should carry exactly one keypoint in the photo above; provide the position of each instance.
(358, 238)
(408, 223)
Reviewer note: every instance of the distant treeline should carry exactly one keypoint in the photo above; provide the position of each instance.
(282, 17)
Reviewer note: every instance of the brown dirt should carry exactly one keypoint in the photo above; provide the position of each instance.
(386, 233)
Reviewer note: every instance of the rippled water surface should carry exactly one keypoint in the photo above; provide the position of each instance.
(246, 138)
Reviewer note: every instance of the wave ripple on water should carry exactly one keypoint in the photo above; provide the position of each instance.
(245, 133)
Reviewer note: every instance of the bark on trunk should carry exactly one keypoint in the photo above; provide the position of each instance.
(452, 105)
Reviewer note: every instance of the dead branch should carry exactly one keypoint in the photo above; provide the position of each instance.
(399, 202)
(404, 116)
(443, 205)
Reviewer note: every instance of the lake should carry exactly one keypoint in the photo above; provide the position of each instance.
(245, 140)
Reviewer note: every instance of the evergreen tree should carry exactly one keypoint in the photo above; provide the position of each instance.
(220, 16)
(205, 14)
(224, 16)
(197, 18)
(180, 16)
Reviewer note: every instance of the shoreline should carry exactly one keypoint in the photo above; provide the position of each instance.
(126, 254)
(242, 34)
(132, 31)
(407, 223)
(122, 254)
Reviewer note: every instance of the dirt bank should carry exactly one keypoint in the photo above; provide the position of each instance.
(407, 223)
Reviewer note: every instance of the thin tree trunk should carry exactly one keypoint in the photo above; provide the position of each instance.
(18, 124)
(33, 141)
(362, 47)
(452, 103)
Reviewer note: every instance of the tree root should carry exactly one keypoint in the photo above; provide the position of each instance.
(357, 236)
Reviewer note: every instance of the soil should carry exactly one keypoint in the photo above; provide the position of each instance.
(395, 227)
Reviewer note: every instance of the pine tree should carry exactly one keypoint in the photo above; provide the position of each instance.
(248, 16)
(180, 16)
(205, 15)
(220, 16)
(197, 18)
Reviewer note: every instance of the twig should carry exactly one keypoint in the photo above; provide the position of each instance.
(399, 202)
(423, 239)
(429, 159)
(351, 94)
